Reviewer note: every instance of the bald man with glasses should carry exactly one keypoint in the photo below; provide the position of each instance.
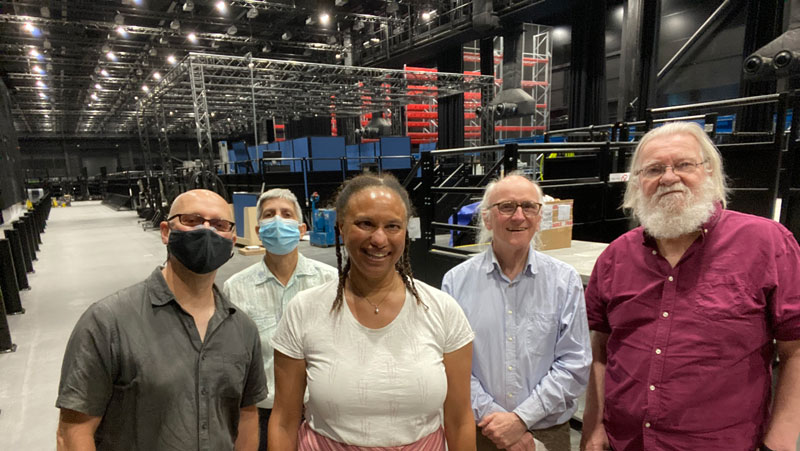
(531, 350)
(168, 363)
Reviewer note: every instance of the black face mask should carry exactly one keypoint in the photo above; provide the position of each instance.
(200, 250)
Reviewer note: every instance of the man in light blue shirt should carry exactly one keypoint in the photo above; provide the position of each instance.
(531, 351)
(263, 289)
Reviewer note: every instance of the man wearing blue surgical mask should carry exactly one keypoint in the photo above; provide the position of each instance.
(263, 289)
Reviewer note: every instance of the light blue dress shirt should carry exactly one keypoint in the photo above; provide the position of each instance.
(259, 294)
(531, 352)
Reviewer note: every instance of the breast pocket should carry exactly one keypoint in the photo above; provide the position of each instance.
(266, 324)
(727, 297)
(541, 330)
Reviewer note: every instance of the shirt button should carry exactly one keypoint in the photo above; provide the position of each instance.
(204, 426)
(510, 368)
(509, 312)
(652, 388)
(510, 339)
(665, 314)
(658, 351)
(655, 252)
(670, 278)
(510, 395)
(647, 425)
(705, 230)
(203, 391)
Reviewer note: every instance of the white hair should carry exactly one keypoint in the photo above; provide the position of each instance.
(279, 193)
(708, 152)
(484, 234)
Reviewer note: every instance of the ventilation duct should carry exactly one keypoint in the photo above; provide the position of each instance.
(484, 19)
(781, 57)
(512, 101)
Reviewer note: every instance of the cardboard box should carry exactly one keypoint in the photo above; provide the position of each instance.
(555, 230)
(249, 237)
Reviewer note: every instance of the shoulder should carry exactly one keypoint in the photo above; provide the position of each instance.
(435, 298)
(473, 263)
(244, 275)
(759, 226)
(321, 268)
(319, 297)
(553, 267)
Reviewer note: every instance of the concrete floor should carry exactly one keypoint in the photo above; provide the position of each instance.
(89, 251)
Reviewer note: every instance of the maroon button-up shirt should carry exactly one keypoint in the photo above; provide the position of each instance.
(690, 347)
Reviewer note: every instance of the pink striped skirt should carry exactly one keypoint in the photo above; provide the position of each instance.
(308, 440)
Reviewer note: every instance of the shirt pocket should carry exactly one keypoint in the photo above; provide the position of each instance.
(541, 330)
(727, 297)
(266, 324)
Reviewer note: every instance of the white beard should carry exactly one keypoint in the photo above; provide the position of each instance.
(676, 214)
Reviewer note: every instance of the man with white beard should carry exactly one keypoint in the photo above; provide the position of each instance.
(684, 309)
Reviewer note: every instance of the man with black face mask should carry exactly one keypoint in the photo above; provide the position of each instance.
(169, 363)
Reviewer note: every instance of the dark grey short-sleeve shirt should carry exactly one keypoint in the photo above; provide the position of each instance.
(136, 359)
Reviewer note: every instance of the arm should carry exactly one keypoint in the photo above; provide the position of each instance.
(290, 386)
(76, 431)
(247, 439)
(784, 425)
(459, 427)
(568, 375)
(594, 436)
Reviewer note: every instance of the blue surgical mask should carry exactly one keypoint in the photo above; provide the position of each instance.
(279, 235)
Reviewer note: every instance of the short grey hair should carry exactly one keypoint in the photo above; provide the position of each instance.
(708, 151)
(279, 193)
(484, 234)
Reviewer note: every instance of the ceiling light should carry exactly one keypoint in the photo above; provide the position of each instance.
(97, 86)
(375, 40)
(175, 24)
(163, 40)
(49, 67)
(145, 88)
(38, 69)
(171, 59)
(188, 6)
(118, 19)
(46, 44)
(192, 37)
(156, 75)
(252, 13)
(45, 11)
(324, 18)
(104, 73)
(232, 30)
(105, 48)
(267, 48)
(286, 36)
(111, 56)
(221, 6)
(338, 56)
(42, 95)
(39, 83)
(29, 27)
(94, 96)
(139, 72)
(34, 53)
(427, 15)
(121, 31)
(153, 52)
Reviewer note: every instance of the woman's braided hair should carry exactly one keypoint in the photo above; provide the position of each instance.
(346, 191)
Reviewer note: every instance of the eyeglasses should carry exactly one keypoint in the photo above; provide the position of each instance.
(509, 207)
(193, 220)
(654, 171)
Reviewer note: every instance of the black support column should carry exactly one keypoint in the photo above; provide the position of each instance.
(587, 96)
(451, 108)
(12, 235)
(8, 281)
(639, 57)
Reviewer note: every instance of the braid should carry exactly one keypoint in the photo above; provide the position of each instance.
(337, 303)
(403, 267)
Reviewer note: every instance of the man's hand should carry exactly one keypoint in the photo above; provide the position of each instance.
(595, 440)
(502, 428)
(525, 443)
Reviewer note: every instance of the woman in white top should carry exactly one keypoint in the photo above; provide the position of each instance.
(386, 358)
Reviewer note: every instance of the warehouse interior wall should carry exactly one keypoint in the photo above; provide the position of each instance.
(12, 189)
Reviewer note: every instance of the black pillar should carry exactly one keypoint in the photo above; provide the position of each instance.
(28, 225)
(764, 23)
(451, 108)
(587, 99)
(8, 281)
(637, 81)
(24, 239)
(12, 235)
(6, 345)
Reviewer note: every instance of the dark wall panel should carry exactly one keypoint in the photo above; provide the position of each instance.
(11, 184)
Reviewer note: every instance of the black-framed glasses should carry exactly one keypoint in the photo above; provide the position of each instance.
(509, 207)
(194, 220)
(657, 170)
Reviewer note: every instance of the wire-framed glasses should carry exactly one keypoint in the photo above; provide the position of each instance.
(509, 207)
(194, 220)
(656, 170)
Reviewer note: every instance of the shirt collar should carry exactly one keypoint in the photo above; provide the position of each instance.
(705, 229)
(303, 268)
(161, 295)
(490, 262)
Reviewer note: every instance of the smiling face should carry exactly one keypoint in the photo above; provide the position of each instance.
(516, 231)
(373, 231)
